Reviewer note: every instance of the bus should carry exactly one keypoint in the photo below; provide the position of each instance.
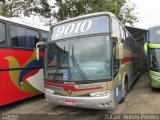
(152, 51)
(91, 61)
(21, 75)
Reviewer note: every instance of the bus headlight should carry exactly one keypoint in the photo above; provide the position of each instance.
(49, 91)
(155, 77)
(101, 93)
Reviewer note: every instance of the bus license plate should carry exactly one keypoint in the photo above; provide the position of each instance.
(70, 102)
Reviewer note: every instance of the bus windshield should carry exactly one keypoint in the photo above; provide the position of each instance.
(154, 35)
(78, 59)
(154, 59)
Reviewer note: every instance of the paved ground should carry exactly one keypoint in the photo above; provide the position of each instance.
(141, 99)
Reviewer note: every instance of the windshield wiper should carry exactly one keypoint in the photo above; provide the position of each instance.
(77, 66)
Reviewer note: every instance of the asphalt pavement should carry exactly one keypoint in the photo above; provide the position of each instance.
(140, 100)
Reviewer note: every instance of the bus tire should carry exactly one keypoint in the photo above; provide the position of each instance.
(138, 72)
(124, 89)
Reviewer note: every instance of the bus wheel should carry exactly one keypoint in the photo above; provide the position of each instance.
(124, 89)
(138, 72)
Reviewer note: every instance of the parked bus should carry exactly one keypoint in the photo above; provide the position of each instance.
(90, 61)
(21, 75)
(152, 51)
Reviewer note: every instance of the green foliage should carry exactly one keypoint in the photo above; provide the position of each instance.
(72, 8)
(64, 9)
(126, 15)
(13, 8)
(4, 9)
(42, 8)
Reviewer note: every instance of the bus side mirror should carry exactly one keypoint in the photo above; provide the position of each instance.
(145, 48)
(119, 51)
(37, 49)
(115, 39)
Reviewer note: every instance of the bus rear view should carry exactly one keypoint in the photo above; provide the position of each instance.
(83, 66)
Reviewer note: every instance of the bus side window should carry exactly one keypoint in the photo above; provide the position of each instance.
(122, 34)
(23, 38)
(126, 41)
(2, 35)
(18, 38)
(116, 27)
(115, 61)
(44, 36)
(32, 38)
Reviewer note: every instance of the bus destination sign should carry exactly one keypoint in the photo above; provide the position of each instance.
(88, 26)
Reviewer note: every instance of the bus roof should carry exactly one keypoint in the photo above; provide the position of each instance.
(153, 27)
(21, 22)
(84, 16)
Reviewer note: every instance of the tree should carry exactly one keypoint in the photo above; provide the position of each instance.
(14, 8)
(21, 8)
(126, 15)
(64, 9)
(72, 8)
(41, 7)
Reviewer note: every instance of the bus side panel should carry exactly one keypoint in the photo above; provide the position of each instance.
(15, 72)
(3, 88)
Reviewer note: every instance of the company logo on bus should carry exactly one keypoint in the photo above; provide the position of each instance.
(19, 76)
(69, 92)
(85, 86)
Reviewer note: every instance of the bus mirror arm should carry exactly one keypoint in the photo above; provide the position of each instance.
(37, 48)
(115, 38)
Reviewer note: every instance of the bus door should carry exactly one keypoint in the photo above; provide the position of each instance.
(116, 78)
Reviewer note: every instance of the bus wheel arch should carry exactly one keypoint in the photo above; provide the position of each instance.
(138, 72)
(124, 87)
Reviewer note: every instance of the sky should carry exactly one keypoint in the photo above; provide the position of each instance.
(148, 12)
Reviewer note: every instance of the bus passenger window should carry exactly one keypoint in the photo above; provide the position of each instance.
(44, 36)
(18, 38)
(31, 38)
(2, 35)
(122, 33)
(23, 38)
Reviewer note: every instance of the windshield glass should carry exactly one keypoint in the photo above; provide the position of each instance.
(154, 59)
(154, 35)
(79, 59)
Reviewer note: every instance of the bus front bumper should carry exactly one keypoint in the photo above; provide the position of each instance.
(103, 103)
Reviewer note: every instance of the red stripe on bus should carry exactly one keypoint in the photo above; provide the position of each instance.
(127, 59)
(70, 87)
